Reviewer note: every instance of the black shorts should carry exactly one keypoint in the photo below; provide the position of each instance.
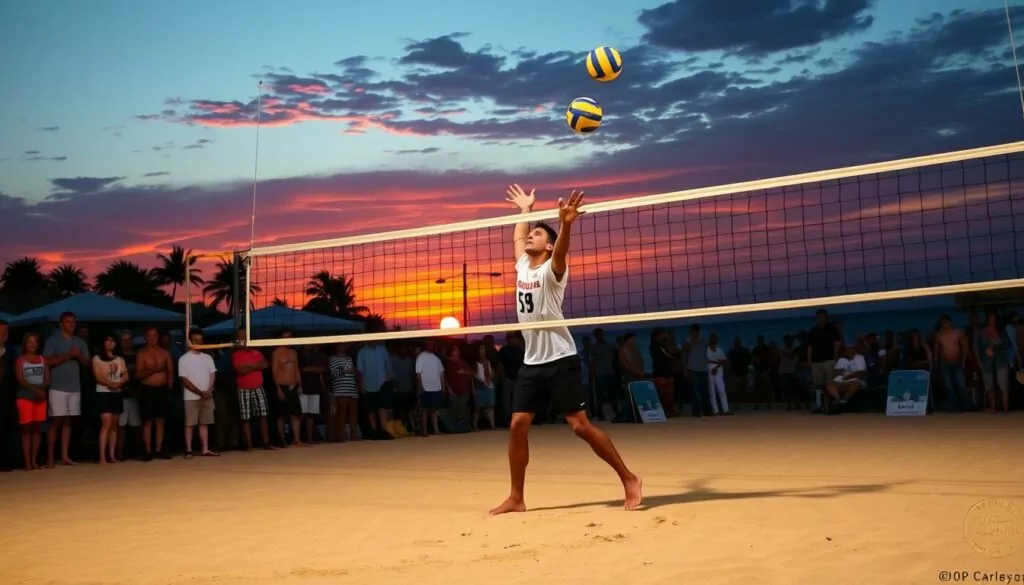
(431, 400)
(558, 383)
(109, 403)
(154, 402)
(292, 403)
(379, 400)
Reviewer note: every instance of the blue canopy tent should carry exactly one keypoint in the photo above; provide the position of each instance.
(6, 317)
(267, 321)
(96, 308)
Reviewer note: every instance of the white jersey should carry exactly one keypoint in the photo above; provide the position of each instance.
(539, 298)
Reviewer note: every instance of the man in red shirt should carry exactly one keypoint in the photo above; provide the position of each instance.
(249, 364)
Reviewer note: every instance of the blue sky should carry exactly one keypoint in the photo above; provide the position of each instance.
(127, 127)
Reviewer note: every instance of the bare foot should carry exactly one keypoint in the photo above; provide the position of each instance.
(509, 505)
(112, 460)
(50, 465)
(103, 461)
(634, 492)
(68, 462)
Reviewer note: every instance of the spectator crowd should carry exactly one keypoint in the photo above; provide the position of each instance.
(100, 398)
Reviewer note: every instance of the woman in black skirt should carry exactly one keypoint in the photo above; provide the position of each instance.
(111, 375)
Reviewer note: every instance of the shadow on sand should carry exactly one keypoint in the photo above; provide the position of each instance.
(699, 491)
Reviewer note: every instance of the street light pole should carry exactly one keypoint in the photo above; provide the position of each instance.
(465, 295)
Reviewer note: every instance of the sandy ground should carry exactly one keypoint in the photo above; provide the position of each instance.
(756, 498)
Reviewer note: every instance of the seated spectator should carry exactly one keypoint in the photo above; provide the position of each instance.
(850, 372)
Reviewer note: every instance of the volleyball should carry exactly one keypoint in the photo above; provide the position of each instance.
(604, 64)
(584, 115)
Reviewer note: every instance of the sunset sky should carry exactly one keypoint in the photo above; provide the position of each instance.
(126, 127)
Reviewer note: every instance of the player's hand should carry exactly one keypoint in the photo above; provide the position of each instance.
(569, 210)
(521, 199)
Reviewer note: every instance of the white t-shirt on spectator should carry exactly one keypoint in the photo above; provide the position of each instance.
(715, 355)
(431, 371)
(197, 368)
(846, 366)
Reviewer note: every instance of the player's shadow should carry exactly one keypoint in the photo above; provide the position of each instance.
(699, 491)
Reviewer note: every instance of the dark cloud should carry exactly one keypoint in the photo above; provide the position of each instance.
(69, 187)
(752, 27)
(157, 174)
(49, 128)
(37, 156)
(428, 150)
(31, 152)
(198, 144)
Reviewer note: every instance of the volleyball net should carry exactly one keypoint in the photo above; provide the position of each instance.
(932, 225)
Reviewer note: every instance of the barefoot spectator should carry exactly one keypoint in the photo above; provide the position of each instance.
(993, 350)
(951, 351)
(459, 377)
(345, 393)
(111, 375)
(483, 388)
(374, 365)
(850, 373)
(8, 406)
(130, 419)
(154, 367)
(823, 345)
(404, 398)
(313, 366)
(431, 388)
(919, 357)
(663, 366)
(65, 355)
(695, 350)
(284, 369)
(33, 378)
(198, 375)
(249, 364)
(792, 388)
(716, 377)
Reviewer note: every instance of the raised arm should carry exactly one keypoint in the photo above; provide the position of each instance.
(524, 201)
(568, 211)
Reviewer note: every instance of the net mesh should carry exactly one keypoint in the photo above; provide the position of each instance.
(928, 226)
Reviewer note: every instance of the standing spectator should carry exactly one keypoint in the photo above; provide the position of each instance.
(823, 344)
(791, 387)
(8, 391)
(716, 377)
(919, 357)
(603, 357)
(130, 417)
(154, 367)
(404, 384)
(32, 376)
(739, 367)
(226, 431)
(460, 383)
(992, 348)
(313, 366)
(111, 375)
(249, 364)
(430, 380)
(284, 369)
(374, 365)
(510, 357)
(198, 377)
(483, 389)
(951, 353)
(663, 368)
(697, 366)
(345, 393)
(65, 355)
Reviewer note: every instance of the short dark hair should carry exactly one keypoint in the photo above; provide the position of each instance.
(550, 231)
(821, 312)
(194, 331)
(66, 314)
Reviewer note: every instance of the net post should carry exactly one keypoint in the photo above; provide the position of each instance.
(236, 290)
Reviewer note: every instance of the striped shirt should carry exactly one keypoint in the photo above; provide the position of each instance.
(343, 377)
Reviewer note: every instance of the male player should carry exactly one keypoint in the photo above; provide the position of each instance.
(551, 367)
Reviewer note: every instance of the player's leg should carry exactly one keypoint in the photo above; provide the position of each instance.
(570, 398)
(525, 400)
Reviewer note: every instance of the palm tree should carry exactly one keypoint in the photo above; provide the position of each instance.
(332, 295)
(222, 286)
(67, 280)
(127, 280)
(173, 271)
(279, 302)
(376, 323)
(24, 275)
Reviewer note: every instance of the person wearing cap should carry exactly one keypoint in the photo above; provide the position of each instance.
(850, 371)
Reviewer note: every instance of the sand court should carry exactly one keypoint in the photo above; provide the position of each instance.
(756, 498)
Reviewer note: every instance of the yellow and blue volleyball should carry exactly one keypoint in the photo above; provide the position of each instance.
(604, 64)
(584, 115)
